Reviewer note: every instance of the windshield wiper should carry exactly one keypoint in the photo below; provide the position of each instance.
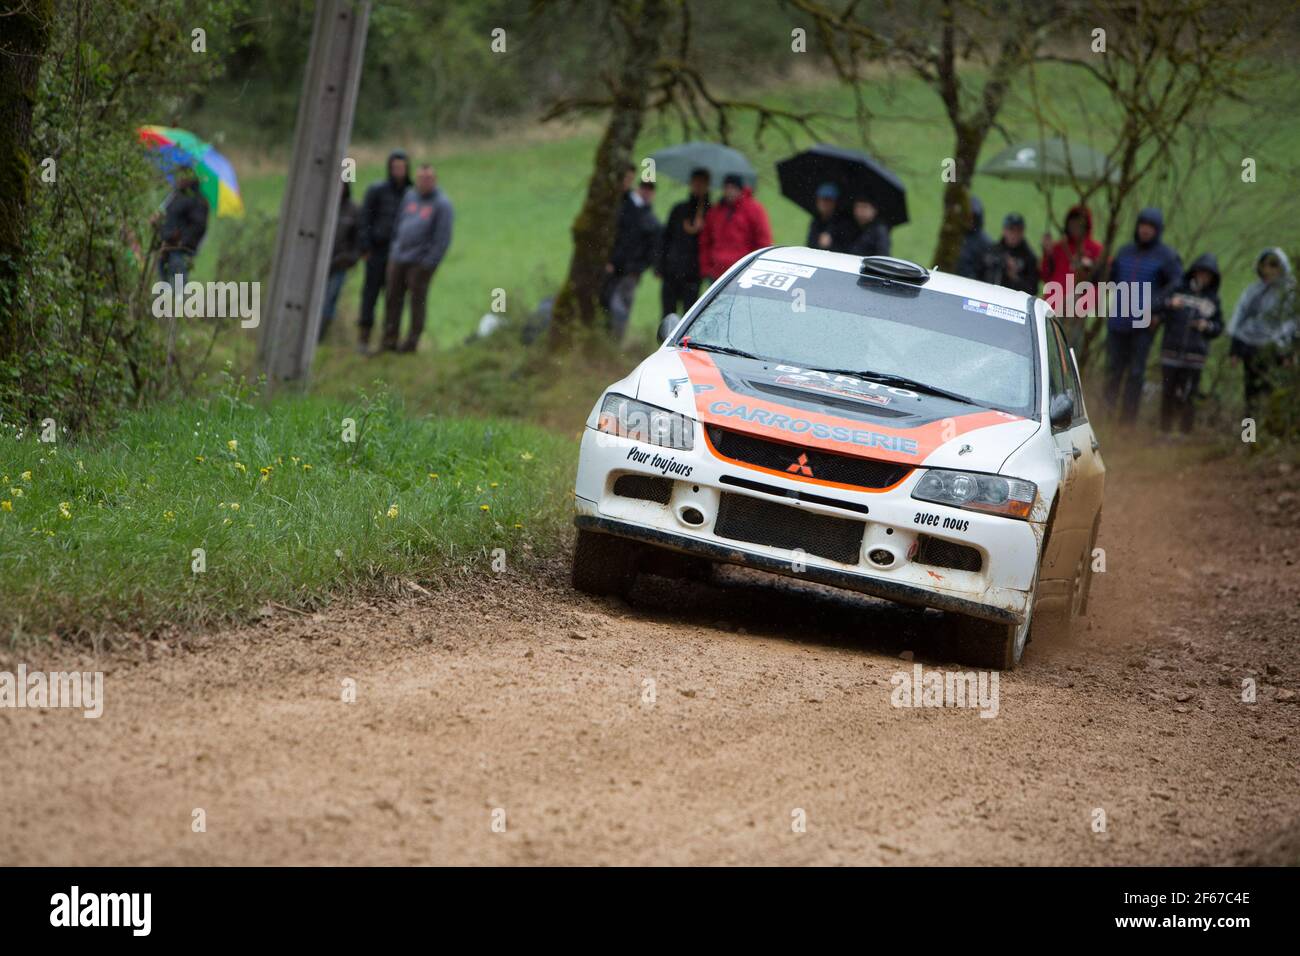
(724, 349)
(902, 381)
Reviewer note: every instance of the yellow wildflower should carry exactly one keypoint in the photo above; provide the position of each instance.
(433, 476)
(225, 521)
(232, 444)
(234, 506)
(526, 456)
(306, 467)
(64, 510)
(6, 505)
(200, 459)
(484, 508)
(169, 516)
(26, 476)
(239, 466)
(392, 511)
(16, 492)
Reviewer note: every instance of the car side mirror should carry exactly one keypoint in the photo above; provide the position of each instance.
(1061, 410)
(666, 326)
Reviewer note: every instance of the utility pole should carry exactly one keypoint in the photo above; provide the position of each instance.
(310, 208)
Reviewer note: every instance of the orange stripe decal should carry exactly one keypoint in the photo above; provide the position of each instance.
(717, 404)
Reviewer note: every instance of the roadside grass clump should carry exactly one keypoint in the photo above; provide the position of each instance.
(202, 512)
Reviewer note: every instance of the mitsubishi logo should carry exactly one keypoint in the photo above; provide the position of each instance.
(800, 466)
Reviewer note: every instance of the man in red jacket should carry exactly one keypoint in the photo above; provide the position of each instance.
(733, 228)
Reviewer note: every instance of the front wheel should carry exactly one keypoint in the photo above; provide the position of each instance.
(603, 564)
(992, 644)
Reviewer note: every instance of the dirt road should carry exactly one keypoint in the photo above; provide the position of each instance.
(517, 700)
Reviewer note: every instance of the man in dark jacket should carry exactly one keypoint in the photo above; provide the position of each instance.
(1019, 264)
(636, 240)
(679, 249)
(872, 237)
(421, 238)
(829, 229)
(181, 227)
(979, 258)
(1148, 270)
(1191, 317)
(375, 230)
(346, 252)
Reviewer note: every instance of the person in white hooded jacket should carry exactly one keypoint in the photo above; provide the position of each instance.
(1263, 325)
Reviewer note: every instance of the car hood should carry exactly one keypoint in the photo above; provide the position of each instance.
(844, 414)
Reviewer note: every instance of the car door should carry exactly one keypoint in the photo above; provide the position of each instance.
(1090, 470)
(1065, 539)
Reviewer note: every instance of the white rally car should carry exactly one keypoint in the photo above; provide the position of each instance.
(862, 423)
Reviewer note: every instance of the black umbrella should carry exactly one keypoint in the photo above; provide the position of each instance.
(857, 175)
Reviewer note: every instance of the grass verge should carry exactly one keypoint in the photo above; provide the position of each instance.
(105, 536)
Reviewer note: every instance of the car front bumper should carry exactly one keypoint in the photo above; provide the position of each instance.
(890, 519)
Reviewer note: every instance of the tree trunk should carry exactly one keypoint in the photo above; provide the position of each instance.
(27, 26)
(578, 301)
(956, 197)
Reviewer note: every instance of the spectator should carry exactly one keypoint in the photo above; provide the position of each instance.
(1077, 254)
(872, 237)
(736, 226)
(1263, 325)
(679, 251)
(1019, 264)
(979, 257)
(1191, 317)
(829, 230)
(421, 237)
(375, 230)
(1149, 269)
(636, 240)
(346, 252)
(181, 227)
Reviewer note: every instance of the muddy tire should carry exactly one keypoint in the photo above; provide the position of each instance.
(989, 644)
(603, 564)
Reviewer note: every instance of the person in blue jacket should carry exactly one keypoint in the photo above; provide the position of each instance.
(1150, 269)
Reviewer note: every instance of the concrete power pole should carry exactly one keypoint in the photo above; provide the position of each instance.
(310, 208)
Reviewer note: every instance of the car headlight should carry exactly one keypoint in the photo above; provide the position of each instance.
(1013, 497)
(620, 415)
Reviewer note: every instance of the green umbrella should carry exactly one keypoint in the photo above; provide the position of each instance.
(1050, 161)
(719, 160)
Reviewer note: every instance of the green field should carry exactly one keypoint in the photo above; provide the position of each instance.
(102, 537)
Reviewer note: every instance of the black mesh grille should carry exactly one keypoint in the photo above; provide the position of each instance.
(947, 554)
(645, 487)
(743, 518)
(828, 466)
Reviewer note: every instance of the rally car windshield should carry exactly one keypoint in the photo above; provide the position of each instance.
(824, 319)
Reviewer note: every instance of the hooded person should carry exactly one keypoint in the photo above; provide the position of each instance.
(735, 226)
(1148, 270)
(829, 229)
(872, 235)
(375, 231)
(1067, 264)
(636, 244)
(1190, 318)
(1263, 325)
(979, 258)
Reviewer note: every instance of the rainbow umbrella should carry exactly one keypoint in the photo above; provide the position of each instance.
(179, 147)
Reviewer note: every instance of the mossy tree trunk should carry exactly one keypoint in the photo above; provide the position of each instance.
(578, 302)
(27, 25)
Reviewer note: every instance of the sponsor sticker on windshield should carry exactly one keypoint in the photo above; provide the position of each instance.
(997, 311)
(767, 279)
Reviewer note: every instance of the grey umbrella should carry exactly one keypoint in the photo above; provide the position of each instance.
(1052, 161)
(719, 160)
